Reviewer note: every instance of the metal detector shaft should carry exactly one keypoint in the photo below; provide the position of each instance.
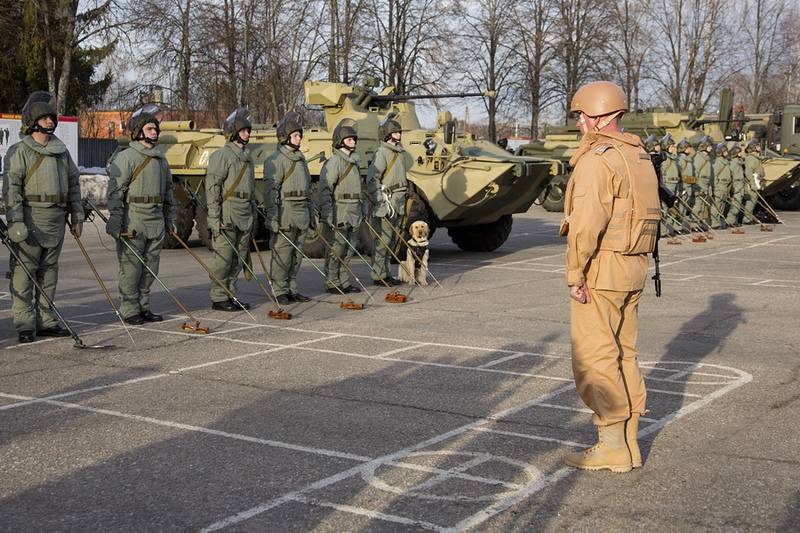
(212, 276)
(343, 263)
(147, 267)
(355, 251)
(304, 256)
(101, 283)
(6, 241)
(401, 263)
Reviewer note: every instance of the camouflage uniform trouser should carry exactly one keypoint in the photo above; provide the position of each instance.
(336, 275)
(226, 264)
(43, 264)
(134, 279)
(749, 205)
(285, 262)
(735, 201)
(381, 255)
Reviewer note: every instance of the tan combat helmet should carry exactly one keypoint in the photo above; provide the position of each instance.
(600, 99)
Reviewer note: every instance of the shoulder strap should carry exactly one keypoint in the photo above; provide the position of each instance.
(139, 168)
(289, 172)
(33, 168)
(342, 175)
(389, 166)
(235, 184)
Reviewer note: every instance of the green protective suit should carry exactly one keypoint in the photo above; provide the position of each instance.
(671, 178)
(141, 209)
(41, 185)
(703, 174)
(737, 191)
(753, 174)
(341, 207)
(287, 183)
(686, 171)
(230, 200)
(388, 174)
(721, 190)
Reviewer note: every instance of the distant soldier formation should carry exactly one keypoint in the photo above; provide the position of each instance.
(41, 194)
(716, 185)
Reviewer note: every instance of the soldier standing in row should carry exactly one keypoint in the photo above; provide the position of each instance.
(722, 185)
(230, 196)
(737, 185)
(387, 179)
(141, 207)
(611, 218)
(340, 205)
(686, 171)
(753, 174)
(703, 173)
(670, 173)
(41, 185)
(290, 212)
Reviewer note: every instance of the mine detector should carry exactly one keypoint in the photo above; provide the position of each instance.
(470, 186)
(778, 133)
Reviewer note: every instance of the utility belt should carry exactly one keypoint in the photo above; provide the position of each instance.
(296, 195)
(47, 198)
(157, 199)
(689, 180)
(239, 195)
(348, 196)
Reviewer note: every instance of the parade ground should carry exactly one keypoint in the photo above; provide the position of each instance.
(451, 412)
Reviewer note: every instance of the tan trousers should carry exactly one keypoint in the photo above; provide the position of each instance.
(604, 358)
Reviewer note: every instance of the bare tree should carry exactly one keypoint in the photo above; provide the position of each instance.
(405, 49)
(346, 18)
(631, 45)
(582, 29)
(488, 44)
(536, 52)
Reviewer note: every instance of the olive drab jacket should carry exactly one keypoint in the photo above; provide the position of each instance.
(600, 182)
(686, 169)
(703, 171)
(287, 186)
(147, 204)
(753, 168)
(230, 188)
(341, 190)
(389, 169)
(722, 177)
(737, 174)
(41, 185)
(670, 172)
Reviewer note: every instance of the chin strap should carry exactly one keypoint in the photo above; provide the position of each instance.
(606, 121)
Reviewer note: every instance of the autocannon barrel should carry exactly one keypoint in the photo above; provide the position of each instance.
(404, 97)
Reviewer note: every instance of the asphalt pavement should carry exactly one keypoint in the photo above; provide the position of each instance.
(450, 412)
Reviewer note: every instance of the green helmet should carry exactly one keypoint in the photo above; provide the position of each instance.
(39, 104)
(721, 148)
(389, 126)
(751, 146)
(289, 124)
(346, 128)
(650, 142)
(147, 114)
(683, 145)
(238, 120)
(704, 142)
(734, 149)
(667, 141)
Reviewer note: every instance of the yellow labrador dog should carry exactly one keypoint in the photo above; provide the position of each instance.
(418, 244)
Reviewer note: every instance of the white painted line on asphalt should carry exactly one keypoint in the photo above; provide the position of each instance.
(502, 360)
(403, 349)
(673, 393)
(200, 429)
(330, 480)
(242, 328)
(583, 410)
(360, 511)
(532, 437)
(725, 252)
(53, 339)
(460, 469)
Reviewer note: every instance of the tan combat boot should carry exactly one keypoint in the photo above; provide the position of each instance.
(631, 431)
(610, 452)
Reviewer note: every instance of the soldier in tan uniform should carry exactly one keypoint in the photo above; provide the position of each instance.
(611, 223)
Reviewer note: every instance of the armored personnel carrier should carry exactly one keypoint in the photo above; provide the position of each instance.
(471, 187)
